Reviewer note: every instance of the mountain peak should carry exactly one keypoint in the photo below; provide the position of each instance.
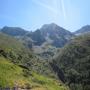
(53, 24)
(53, 28)
(48, 25)
(83, 30)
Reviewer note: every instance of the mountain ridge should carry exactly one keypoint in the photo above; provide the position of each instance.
(45, 40)
(13, 31)
(83, 30)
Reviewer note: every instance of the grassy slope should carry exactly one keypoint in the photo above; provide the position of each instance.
(18, 53)
(11, 73)
(8, 43)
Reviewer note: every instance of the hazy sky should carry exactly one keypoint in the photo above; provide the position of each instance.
(32, 14)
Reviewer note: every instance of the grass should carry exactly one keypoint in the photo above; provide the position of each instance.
(46, 83)
(12, 75)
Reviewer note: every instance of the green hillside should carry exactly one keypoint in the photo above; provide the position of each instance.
(74, 60)
(16, 52)
(20, 67)
(10, 74)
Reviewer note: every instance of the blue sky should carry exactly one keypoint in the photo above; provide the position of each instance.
(32, 14)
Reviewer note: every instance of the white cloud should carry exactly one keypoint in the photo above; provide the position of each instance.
(50, 6)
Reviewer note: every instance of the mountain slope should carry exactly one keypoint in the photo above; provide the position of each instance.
(21, 68)
(12, 76)
(13, 31)
(14, 50)
(58, 35)
(52, 34)
(37, 37)
(83, 30)
(74, 61)
(46, 40)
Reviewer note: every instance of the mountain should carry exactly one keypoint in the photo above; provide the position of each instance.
(36, 37)
(56, 34)
(19, 67)
(83, 30)
(46, 40)
(74, 62)
(13, 31)
(49, 33)
(52, 34)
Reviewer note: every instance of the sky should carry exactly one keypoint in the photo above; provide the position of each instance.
(32, 14)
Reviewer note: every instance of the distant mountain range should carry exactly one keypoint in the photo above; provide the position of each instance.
(48, 33)
(51, 34)
(46, 39)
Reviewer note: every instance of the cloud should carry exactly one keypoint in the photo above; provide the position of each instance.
(49, 7)
(63, 8)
